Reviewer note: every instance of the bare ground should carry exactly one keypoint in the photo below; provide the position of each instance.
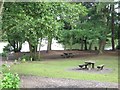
(45, 82)
(56, 54)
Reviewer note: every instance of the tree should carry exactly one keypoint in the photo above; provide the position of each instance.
(1, 6)
(112, 27)
(111, 19)
(71, 16)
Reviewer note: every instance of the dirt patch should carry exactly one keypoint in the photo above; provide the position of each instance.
(95, 70)
(53, 54)
(45, 82)
(56, 54)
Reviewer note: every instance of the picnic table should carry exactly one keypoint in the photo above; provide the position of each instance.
(86, 64)
(67, 55)
(90, 63)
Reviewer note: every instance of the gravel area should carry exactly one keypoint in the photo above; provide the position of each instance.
(95, 70)
(45, 82)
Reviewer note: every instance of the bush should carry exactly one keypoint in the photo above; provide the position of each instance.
(10, 81)
(23, 60)
(4, 54)
(26, 57)
(16, 61)
(8, 48)
(118, 47)
(5, 68)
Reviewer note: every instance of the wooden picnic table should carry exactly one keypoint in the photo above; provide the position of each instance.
(92, 63)
(67, 55)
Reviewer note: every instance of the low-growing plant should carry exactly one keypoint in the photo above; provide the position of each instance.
(10, 80)
(23, 60)
(26, 57)
(15, 62)
(5, 68)
(118, 47)
(4, 54)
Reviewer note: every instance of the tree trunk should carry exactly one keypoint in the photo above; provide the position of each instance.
(85, 43)
(101, 46)
(1, 6)
(90, 45)
(112, 28)
(49, 43)
(82, 43)
(33, 51)
(39, 48)
(119, 31)
(30, 48)
(35, 55)
(65, 46)
(71, 41)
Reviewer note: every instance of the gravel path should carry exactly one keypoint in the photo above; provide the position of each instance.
(44, 82)
(95, 70)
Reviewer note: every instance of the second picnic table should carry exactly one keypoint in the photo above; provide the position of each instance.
(67, 55)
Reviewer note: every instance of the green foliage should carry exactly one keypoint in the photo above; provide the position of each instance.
(69, 22)
(5, 68)
(10, 81)
(16, 61)
(7, 48)
(31, 21)
(26, 57)
(118, 47)
(23, 60)
(4, 54)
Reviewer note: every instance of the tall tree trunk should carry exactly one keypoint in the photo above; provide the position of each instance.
(85, 43)
(33, 51)
(49, 43)
(1, 6)
(30, 48)
(90, 45)
(35, 54)
(101, 46)
(71, 42)
(119, 31)
(112, 28)
(39, 48)
(82, 43)
(65, 46)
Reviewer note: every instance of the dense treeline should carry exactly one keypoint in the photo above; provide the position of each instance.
(69, 23)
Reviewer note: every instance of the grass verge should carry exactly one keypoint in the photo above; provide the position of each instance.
(58, 69)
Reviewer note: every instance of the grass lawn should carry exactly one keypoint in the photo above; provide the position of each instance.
(58, 69)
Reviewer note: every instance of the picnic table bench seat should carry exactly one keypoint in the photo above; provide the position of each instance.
(100, 67)
(83, 66)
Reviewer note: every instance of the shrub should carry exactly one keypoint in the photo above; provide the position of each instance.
(23, 60)
(8, 48)
(4, 54)
(5, 68)
(10, 80)
(26, 57)
(15, 62)
(118, 47)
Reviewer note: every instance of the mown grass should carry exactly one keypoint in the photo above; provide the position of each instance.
(59, 69)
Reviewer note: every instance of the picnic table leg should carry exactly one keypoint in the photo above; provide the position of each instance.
(86, 67)
(92, 65)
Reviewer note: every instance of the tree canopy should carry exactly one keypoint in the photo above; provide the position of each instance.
(69, 23)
